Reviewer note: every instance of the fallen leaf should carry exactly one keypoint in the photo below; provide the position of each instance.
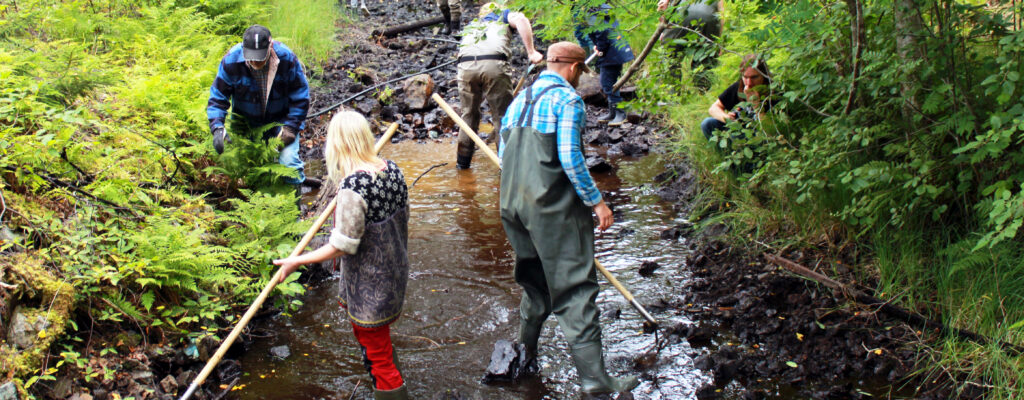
(792, 364)
(799, 336)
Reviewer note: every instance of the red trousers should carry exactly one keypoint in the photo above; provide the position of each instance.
(378, 356)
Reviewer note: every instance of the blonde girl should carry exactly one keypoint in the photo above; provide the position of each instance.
(371, 235)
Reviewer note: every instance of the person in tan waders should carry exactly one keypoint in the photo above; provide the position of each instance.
(547, 197)
(483, 70)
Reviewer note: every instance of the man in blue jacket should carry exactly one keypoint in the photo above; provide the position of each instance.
(263, 83)
(601, 31)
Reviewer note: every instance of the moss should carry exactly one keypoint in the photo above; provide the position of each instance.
(56, 299)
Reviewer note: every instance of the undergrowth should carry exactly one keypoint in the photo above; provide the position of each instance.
(896, 132)
(110, 181)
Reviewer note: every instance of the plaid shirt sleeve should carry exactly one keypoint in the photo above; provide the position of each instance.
(570, 150)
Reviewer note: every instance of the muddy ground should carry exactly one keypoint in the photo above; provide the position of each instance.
(764, 333)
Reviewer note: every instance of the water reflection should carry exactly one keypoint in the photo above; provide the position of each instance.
(462, 297)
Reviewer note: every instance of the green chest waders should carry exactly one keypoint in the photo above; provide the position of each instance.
(552, 233)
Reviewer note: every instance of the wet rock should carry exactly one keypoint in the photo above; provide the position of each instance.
(598, 164)
(589, 89)
(133, 364)
(169, 385)
(280, 352)
(206, 347)
(143, 376)
(708, 391)
(611, 314)
(417, 91)
(699, 335)
(507, 362)
(675, 232)
(704, 362)
(185, 378)
(366, 75)
(366, 105)
(647, 268)
(228, 370)
(25, 327)
(62, 388)
(596, 136)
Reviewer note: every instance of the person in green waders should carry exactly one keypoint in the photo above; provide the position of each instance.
(547, 196)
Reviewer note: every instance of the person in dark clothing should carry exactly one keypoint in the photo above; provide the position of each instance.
(751, 91)
(263, 83)
(371, 234)
(598, 29)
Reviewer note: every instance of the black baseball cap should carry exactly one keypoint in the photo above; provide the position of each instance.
(256, 43)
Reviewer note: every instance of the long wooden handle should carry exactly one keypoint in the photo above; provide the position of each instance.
(215, 359)
(625, 292)
(466, 129)
(608, 275)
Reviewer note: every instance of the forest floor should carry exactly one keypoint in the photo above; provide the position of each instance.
(762, 332)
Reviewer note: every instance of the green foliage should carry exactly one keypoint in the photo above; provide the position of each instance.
(259, 229)
(103, 147)
(253, 161)
(905, 138)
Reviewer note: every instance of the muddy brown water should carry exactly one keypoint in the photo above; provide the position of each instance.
(462, 297)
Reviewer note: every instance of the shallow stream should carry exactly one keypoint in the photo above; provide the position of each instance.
(462, 297)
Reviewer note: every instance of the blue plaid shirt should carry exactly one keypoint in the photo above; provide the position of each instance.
(560, 112)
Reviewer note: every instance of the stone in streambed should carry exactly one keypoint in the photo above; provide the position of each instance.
(280, 352)
(417, 92)
(506, 364)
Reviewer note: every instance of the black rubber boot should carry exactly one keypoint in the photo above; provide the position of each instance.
(455, 24)
(619, 119)
(608, 115)
(462, 162)
(446, 12)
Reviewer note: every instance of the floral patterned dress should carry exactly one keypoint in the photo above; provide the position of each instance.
(372, 229)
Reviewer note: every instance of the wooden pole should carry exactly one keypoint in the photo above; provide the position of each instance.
(608, 275)
(215, 359)
(466, 129)
(643, 55)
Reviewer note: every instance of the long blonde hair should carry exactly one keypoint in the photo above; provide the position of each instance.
(349, 146)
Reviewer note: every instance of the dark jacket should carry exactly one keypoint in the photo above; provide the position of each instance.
(235, 87)
(608, 41)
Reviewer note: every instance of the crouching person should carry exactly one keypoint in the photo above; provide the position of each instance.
(371, 235)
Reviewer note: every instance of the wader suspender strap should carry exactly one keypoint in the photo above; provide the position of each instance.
(530, 100)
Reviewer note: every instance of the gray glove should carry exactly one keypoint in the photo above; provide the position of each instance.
(219, 137)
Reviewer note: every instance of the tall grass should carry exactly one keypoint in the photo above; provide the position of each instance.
(307, 27)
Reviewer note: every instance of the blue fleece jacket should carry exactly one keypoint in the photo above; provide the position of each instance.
(236, 88)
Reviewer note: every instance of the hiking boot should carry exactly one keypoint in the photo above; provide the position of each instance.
(394, 394)
(455, 24)
(618, 119)
(446, 12)
(594, 378)
(608, 115)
